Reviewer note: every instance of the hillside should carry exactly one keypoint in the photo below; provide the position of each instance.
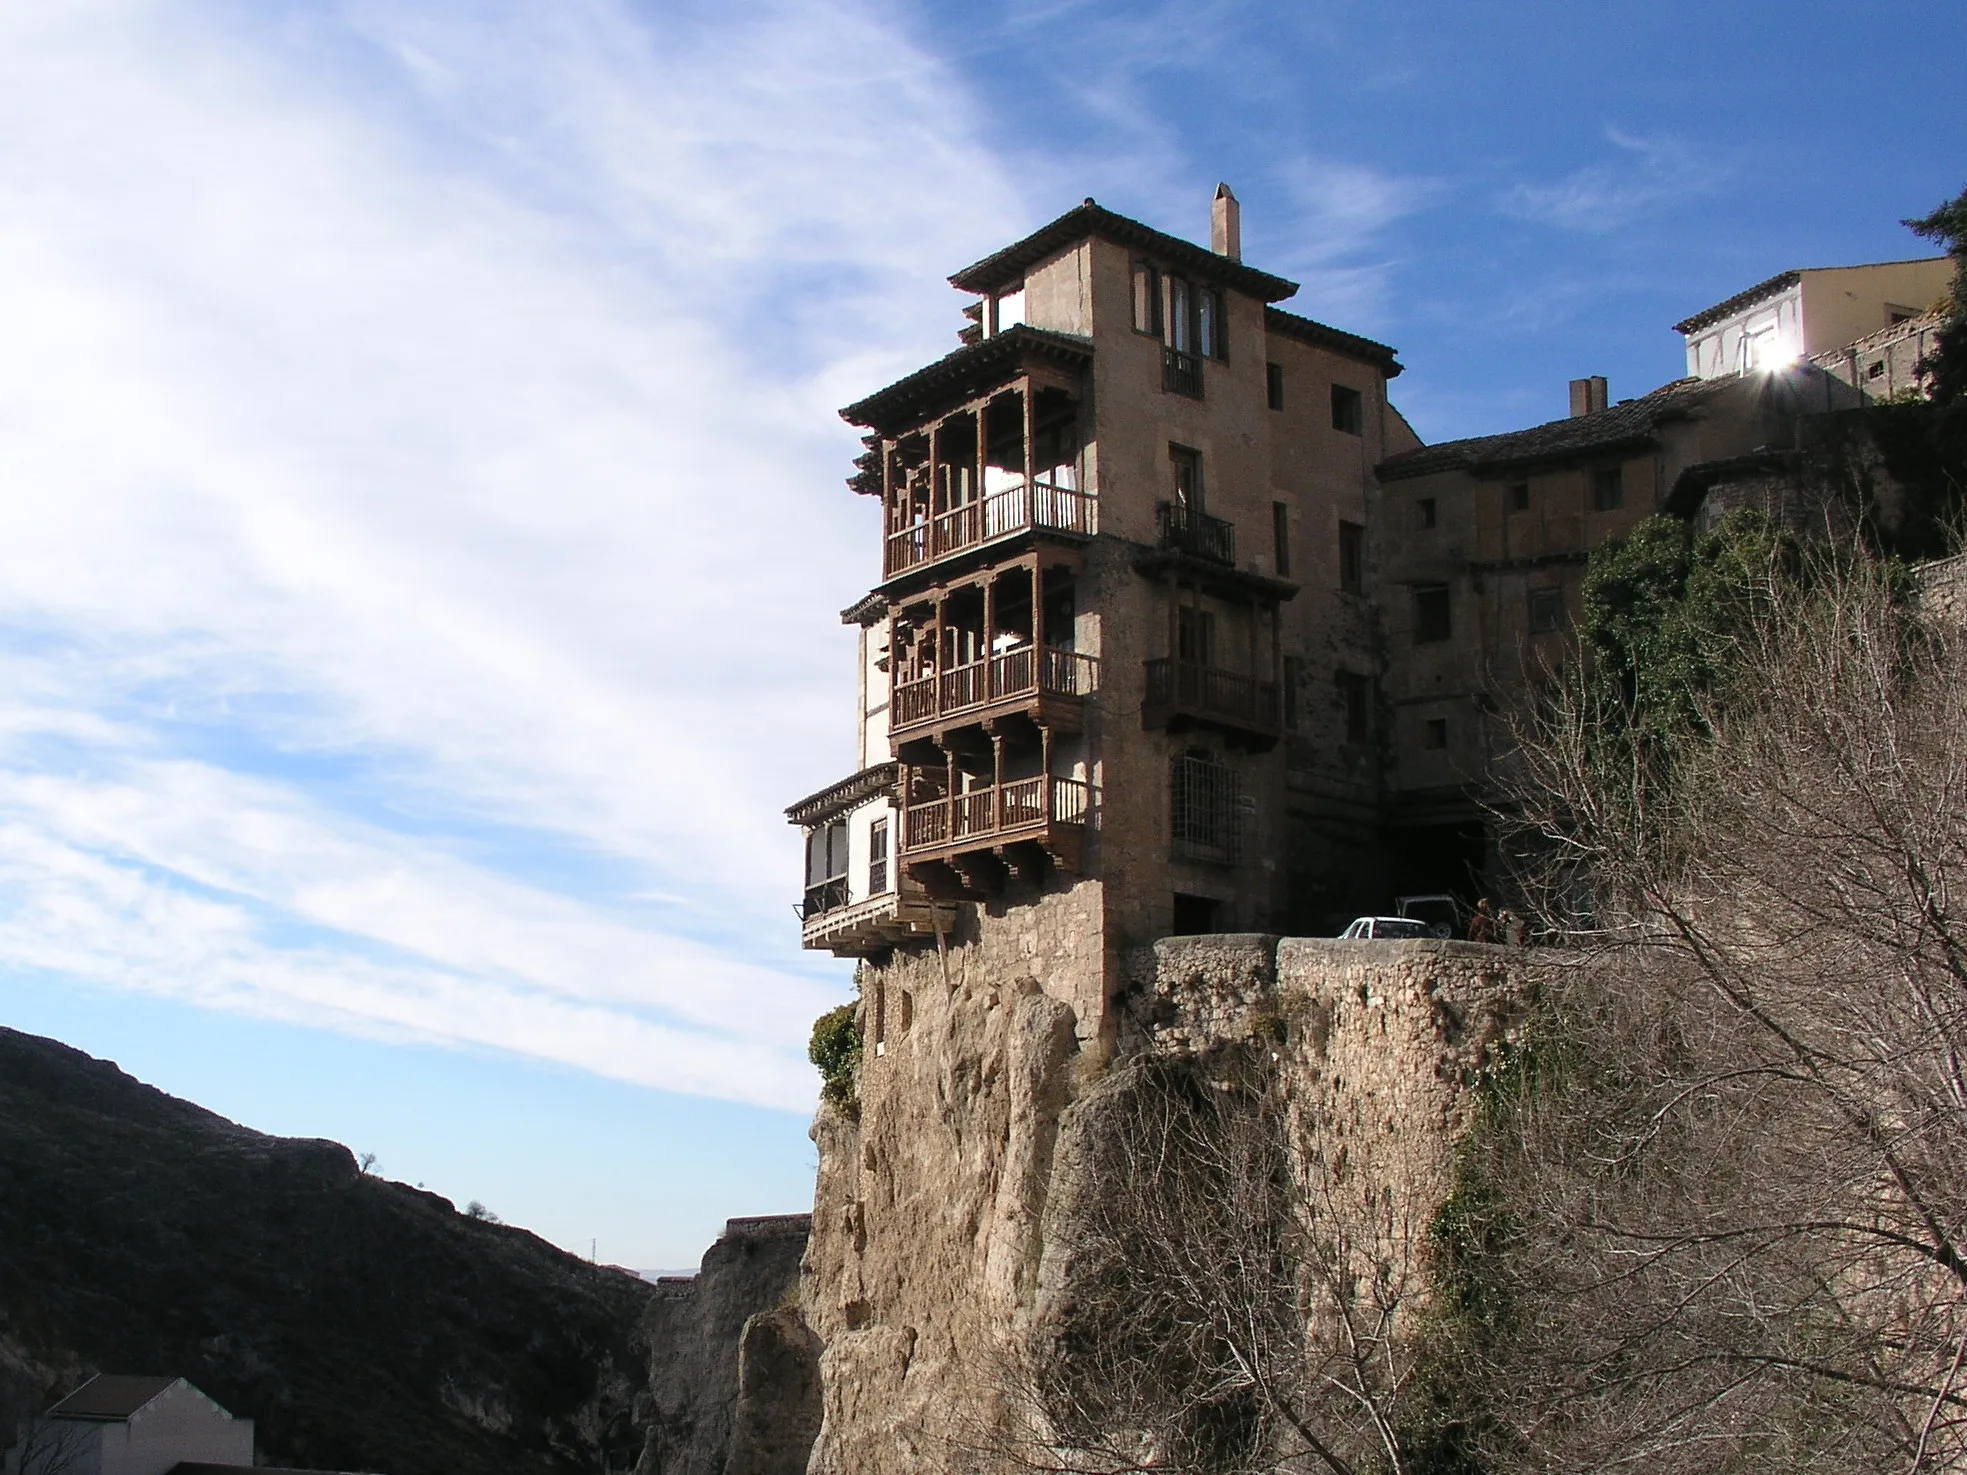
(363, 1323)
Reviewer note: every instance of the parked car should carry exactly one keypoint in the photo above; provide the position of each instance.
(1439, 910)
(1388, 929)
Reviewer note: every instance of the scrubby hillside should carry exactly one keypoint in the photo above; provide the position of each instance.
(363, 1323)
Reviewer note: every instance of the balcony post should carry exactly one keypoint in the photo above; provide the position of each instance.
(1038, 618)
(1045, 769)
(1030, 448)
(990, 692)
(1276, 712)
(1252, 666)
(983, 463)
(997, 783)
(937, 500)
(949, 795)
(936, 702)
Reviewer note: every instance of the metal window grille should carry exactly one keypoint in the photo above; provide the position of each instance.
(1207, 810)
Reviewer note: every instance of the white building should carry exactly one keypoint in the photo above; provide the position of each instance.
(117, 1425)
(1811, 311)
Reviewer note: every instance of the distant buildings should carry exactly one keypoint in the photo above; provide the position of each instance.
(120, 1425)
(1810, 312)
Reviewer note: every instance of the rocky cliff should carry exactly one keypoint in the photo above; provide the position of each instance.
(941, 1250)
(364, 1324)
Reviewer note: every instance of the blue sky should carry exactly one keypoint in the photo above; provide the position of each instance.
(420, 512)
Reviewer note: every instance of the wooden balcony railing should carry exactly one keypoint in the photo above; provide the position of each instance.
(1189, 531)
(1024, 672)
(1014, 809)
(1018, 509)
(1209, 694)
(1181, 373)
(827, 896)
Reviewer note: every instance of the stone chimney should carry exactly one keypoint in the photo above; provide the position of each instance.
(1588, 395)
(1226, 224)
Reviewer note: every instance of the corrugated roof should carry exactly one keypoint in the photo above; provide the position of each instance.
(1291, 325)
(111, 1397)
(967, 372)
(1006, 268)
(1621, 424)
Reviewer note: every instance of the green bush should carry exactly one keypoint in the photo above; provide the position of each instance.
(836, 1051)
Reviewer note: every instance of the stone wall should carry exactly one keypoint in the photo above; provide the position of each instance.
(934, 1252)
(1943, 589)
(734, 1372)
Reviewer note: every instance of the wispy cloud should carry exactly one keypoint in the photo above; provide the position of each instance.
(1334, 241)
(423, 492)
(1646, 176)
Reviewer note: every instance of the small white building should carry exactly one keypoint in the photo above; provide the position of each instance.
(120, 1425)
(1811, 311)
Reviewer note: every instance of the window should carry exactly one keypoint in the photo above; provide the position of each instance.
(1274, 385)
(1431, 615)
(1348, 410)
(826, 868)
(1356, 702)
(1607, 488)
(1195, 636)
(1434, 733)
(1876, 371)
(1546, 610)
(1209, 323)
(1147, 299)
(1185, 466)
(877, 858)
(1519, 496)
(1206, 809)
(1424, 513)
(1280, 537)
(1352, 558)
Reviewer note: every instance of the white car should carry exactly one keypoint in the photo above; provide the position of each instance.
(1388, 929)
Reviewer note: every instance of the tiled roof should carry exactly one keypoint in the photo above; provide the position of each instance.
(1626, 423)
(837, 799)
(1002, 269)
(1290, 325)
(1740, 300)
(968, 371)
(110, 1397)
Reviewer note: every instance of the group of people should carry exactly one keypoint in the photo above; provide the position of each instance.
(1486, 924)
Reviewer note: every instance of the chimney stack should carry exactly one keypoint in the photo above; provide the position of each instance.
(1226, 224)
(1588, 395)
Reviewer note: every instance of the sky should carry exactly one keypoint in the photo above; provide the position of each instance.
(422, 527)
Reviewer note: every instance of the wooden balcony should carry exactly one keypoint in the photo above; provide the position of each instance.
(852, 929)
(1185, 694)
(995, 821)
(1049, 686)
(1026, 507)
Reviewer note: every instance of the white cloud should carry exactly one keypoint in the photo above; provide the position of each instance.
(443, 393)
(1647, 176)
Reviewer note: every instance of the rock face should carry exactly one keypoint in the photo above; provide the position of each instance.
(734, 1371)
(364, 1324)
(935, 1251)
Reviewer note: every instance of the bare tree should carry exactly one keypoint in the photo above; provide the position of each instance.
(51, 1447)
(1718, 1220)
(1235, 1300)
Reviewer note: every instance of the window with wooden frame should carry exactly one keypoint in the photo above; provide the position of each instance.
(1607, 488)
(1546, 611)
(1356, 705)
(1147, 299)
(877, 858)
(1274, 386)
(1348, 410)
(1280, 537)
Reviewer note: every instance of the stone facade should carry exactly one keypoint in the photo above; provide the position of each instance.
(937, 1248)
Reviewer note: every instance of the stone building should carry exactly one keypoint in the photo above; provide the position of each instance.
(1118, 674)
(1483, 545)
(1803, 313)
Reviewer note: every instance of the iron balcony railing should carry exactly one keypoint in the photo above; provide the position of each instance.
(1181, 373)
(1194, 532)
(1033, 504)
(994, 811)
(1212, 694)
(827, 896)
(1003, 677)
